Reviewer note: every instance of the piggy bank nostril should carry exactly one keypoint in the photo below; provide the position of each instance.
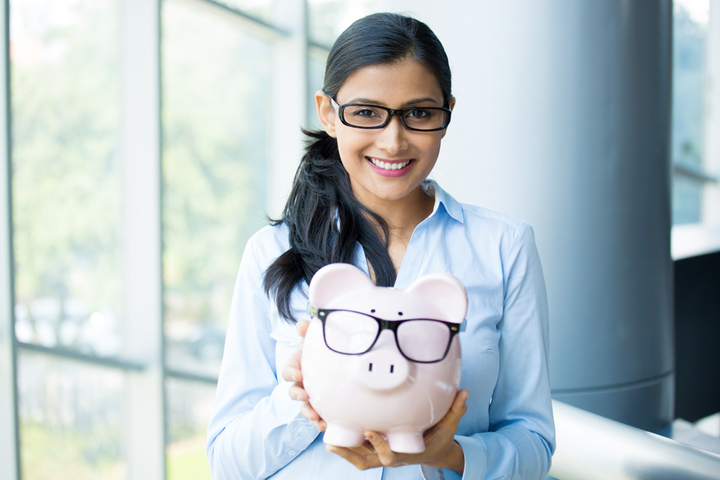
(370, 369)
(392, 368)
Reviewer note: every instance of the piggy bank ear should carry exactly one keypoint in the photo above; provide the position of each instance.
(333, 281)
(445, 291)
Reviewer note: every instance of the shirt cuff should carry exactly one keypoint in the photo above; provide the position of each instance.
(474, 469)
(431, 473)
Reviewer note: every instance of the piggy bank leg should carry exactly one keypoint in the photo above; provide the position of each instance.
(405, 441)
(343, 436)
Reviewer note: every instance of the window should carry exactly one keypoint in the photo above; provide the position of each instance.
(694, 173)
(128, 222)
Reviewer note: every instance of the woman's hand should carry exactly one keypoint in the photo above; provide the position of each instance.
(293, 373)
(441, 449)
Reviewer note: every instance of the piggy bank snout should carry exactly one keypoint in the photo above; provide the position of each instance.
(383, 367)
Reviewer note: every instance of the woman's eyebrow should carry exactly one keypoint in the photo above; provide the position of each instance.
(382, 104)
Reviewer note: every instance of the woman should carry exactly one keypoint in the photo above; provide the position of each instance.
(361, 196)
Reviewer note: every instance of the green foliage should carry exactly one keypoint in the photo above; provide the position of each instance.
(214, 154)
(68, 454)
(65, 171)
(187, 460)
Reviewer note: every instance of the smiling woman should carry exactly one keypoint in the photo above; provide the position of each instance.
(361, 195)
(388, 162)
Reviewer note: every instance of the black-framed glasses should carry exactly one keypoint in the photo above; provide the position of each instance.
(422, 119)
(421, 340)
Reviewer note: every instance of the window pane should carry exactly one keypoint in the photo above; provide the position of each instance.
(65, 173)
(328, 18)
(316, 76)
(189, 406)
(690, 20)
(686, 196)
(260, 9)
(70, 420)
(215, 135)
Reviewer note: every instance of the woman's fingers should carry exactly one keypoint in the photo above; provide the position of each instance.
(451, 420)
(301, 326)
(439, 444)
(309, 412)
(385, 455)
(363, 457)
(298, 393)
(459, 406)
(292, 371)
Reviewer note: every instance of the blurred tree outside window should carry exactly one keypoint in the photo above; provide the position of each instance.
(215, 135)
(65, 198)
(215, 129)
(65, 180)
(71, 424)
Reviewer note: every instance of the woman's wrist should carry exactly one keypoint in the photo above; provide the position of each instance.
(457, 459)
(453, 459)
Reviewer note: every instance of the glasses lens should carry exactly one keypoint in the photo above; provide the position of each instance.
(425, 118)
(350, 332)
(423, 340)
(364, 115)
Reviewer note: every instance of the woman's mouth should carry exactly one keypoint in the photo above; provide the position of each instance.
(389, 165)
(388, 168)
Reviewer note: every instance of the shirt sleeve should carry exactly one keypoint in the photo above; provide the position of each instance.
(521, 437)
(256, 428)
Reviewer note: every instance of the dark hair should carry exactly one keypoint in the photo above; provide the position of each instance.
(324, 218)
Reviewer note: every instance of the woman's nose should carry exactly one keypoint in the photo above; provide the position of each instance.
(392, 138)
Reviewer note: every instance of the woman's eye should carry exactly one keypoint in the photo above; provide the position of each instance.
(418, 113)
(364, 112)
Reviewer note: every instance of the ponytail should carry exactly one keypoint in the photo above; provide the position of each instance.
(325, 223)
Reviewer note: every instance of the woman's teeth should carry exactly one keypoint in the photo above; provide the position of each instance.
(389, 166)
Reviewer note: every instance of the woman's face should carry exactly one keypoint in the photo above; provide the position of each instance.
(403, 84)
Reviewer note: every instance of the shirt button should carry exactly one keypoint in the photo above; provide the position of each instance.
(291, 453)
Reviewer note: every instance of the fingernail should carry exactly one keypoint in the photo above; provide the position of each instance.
(371, 436)
(294, 377)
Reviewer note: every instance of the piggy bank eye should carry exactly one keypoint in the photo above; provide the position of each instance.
(372, 311)
(423, 340)
(350, 332)
(400, 313)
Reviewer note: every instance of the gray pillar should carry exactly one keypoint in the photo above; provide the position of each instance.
(563, 120)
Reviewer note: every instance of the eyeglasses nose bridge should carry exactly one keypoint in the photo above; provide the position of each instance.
(395, 113)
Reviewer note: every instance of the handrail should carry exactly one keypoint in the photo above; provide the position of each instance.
(592, 447)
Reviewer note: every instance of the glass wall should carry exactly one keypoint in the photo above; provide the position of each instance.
(215, 88)
(66, 200)
(215, 132)
(71, 417)
(690, 30)
(76, 399)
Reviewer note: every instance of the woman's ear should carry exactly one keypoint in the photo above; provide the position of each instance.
(326, 112)
(451, 106)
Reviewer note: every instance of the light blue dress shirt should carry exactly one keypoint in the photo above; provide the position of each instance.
(257, 430)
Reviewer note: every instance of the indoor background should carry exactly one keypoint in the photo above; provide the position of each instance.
(144, 141)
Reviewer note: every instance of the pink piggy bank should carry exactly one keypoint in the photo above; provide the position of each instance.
(382, 359)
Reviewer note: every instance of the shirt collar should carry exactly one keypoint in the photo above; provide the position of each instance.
(431, 187)
(452, 206)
